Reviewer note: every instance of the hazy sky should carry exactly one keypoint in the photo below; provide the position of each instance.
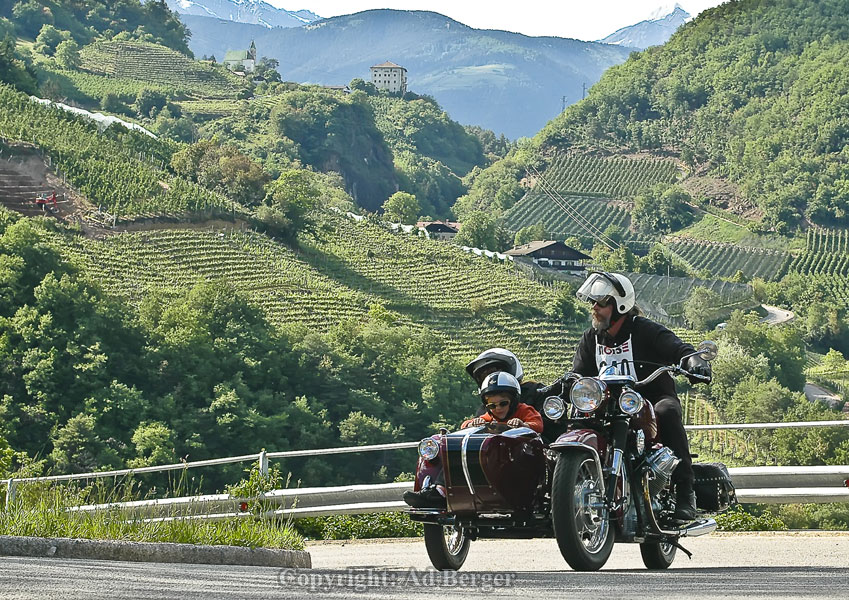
(580, 19)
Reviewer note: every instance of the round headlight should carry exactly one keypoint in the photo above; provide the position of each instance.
(553, 407)
(631, 402)
(587, 394)
(428, 449)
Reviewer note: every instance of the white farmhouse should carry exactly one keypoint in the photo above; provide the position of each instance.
(390, 77)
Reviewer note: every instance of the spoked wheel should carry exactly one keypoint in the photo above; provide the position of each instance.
(447, 546)
(580, 518)
(657, 555)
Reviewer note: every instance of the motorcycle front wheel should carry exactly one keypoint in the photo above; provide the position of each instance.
(580, 519)
(447, 546)
(657, 555)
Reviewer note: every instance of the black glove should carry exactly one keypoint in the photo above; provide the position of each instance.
(698, 366)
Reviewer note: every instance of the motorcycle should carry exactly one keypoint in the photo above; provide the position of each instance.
(593, 478)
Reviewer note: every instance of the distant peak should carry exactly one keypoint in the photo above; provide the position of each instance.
(664, 10)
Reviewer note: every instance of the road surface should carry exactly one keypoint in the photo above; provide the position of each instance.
(723, 566)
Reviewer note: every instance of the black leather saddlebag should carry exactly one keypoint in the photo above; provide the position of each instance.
(714, 490)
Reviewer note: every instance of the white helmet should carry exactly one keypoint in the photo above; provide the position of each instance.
(600, 285)
(500, 382)
(504, 359)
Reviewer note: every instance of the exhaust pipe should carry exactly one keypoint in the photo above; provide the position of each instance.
(700, 527)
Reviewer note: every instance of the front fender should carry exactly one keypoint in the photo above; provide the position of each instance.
(583, 440)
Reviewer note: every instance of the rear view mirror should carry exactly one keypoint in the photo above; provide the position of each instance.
(707, 350)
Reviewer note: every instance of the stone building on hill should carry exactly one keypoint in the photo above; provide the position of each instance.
(246, 59)
(390, 77)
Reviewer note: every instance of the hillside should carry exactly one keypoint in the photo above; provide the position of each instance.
(751, 91)
(503, 81)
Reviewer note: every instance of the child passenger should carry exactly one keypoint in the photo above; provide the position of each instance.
(500, 394)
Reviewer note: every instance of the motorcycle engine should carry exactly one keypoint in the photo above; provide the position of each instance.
(662, 463)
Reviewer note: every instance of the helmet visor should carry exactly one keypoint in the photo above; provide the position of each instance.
(597, 288)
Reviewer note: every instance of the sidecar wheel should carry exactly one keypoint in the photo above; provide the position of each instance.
(447, 546)
(657, 555)
(580, 519)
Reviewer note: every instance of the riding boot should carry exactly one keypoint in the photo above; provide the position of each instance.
(685, 501)
(429, 497)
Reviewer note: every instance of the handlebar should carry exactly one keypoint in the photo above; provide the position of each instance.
(670, 369)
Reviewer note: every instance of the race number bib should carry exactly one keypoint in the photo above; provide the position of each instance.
(619, 357)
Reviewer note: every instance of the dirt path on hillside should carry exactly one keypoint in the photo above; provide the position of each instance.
(74, 208)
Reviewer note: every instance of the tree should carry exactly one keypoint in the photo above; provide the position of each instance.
(154, 443)
(663, 208)
(68, 54)
(478, 230)
(834, 360)
(149, 100)
(700, 308)
(401, 207)
(266, 69)
(288, 203)
(361, 429)
(531, 233)
(49, 39)
(359, 84)
(659, 262)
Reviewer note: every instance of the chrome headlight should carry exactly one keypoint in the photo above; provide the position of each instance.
(587, 394)
(553, 407)
(428, 449)
(630, 402)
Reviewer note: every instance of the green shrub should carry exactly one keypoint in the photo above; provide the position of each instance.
(739, 519)
(348, 527)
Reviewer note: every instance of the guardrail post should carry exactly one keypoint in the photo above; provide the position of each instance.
(10, 493)
(263, 463)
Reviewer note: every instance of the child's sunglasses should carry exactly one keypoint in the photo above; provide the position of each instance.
(494, 405)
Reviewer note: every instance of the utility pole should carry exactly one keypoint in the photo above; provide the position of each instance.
(563, 104)
(583, 90)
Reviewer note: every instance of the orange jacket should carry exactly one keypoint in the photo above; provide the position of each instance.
(525, 412)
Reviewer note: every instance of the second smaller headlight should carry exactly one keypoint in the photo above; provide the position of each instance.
(553, 407)
(630, 402)
(428, 448)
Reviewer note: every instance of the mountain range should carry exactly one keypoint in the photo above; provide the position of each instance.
(255, 12)
(503, 81)
(654, 31)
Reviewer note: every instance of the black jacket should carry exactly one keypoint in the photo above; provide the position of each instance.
(650, 342)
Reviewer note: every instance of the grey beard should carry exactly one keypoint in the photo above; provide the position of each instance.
(601, 326)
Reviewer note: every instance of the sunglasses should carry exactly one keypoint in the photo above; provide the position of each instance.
(602, 302)
(494, 405)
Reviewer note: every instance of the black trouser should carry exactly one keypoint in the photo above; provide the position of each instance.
(670, 423)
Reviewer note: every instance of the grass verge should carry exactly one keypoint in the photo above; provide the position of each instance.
(42, 511)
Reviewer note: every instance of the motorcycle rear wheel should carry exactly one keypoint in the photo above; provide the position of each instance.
(581, 522)
(447, 546)
(657, 555)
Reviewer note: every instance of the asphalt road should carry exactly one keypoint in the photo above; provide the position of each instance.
(723, 566)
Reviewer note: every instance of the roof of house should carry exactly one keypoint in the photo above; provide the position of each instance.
(439, 225)
(532, 247)
(387, 65)
(236, 55)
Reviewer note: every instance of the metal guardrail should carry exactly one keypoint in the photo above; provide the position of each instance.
(754, 484)
(766, 485)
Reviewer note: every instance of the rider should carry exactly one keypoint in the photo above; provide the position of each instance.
(499, 394)
(499, 359)
(635, 345)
